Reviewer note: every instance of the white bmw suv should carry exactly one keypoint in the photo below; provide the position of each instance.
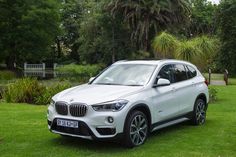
(129, 100)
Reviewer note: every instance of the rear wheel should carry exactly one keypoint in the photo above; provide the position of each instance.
(136, 129)
(199, 114)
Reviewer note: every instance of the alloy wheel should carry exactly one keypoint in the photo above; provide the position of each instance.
(201, 113)
(138, 130)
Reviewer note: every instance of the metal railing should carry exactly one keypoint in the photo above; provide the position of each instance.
(39, 67)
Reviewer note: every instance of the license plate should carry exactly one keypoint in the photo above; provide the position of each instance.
(67, 123)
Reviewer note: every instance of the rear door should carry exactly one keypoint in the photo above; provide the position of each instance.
(183, 88)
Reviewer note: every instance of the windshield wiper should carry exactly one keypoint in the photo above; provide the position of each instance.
(109, 84)
(133, 85)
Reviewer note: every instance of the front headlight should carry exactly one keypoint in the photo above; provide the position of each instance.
(116, 105)
(52, 102)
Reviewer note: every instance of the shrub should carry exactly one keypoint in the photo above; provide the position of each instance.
(29, 90)
(7, 75)
(23, 90)
(79, 73)
(46, 96)
(212, 94)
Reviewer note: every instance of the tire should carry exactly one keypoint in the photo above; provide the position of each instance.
(136, 129)
(199, 113)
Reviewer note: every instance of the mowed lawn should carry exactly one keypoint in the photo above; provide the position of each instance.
(23, 132)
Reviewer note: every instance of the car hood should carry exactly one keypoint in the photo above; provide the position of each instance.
(93, 94)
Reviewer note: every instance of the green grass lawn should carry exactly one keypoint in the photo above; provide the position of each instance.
(23, 132)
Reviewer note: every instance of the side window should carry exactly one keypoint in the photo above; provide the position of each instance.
(191, 72)
(179, 73)
(166, 72)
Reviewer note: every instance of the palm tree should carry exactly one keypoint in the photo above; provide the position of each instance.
(164, 45)
(200, 51)
(186, 50)
(147, 17)
(207, 45)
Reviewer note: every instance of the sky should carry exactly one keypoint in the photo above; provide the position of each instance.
(215, 1)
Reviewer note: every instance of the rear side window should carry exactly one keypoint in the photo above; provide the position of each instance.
(166, 72)
(191, 72)
(179, 73)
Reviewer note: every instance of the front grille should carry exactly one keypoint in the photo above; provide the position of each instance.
(61, 108)
(78, 110)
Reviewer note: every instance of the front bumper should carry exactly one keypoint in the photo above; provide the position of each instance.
(94, 125)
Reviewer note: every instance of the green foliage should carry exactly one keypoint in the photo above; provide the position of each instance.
(146, 17)
(212, 94)
(103, 38)
(187, 51)
(199, 50)
(203, 18)
(227, 22)
(165, 45)
(72, 12)
(29, 90)
(50, 91)
(27, 30)
(7, 75)
(79, 73)
(23, 90)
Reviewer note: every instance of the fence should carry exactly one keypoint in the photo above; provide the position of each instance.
(39, 67)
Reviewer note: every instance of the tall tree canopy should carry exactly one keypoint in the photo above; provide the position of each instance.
(147, 17)
(203, 18)
(27, 30)
(71, 15)
(227, 22)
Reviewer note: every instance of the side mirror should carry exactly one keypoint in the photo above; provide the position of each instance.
(91, 79)
(162, 82)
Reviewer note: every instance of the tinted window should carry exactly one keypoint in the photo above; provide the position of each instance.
(166, 73)
(179, 73)
(191, 72)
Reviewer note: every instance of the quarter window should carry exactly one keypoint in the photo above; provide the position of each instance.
(179, 73)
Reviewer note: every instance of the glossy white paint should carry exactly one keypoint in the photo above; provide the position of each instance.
(164, 102)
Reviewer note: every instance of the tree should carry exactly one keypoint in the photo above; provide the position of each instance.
(203, 18)
(27, 30)
(164, 45)
(199, 50)
(186, 50)
(227, 23)
(147, 17)
(103, 38)
(71, 16)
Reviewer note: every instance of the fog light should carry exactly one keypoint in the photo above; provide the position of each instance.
(110, 119)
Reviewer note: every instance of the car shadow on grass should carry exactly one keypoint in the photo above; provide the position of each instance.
(112, 146)
(93, 145)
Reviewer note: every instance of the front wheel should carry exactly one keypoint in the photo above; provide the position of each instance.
(199, 113)
(136, 129)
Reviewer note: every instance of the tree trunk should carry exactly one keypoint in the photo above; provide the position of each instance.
(10, 60)
(113, 43)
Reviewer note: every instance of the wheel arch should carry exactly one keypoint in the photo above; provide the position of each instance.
(203, 97)
(143, 108)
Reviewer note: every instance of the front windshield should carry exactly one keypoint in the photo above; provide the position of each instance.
(126, 74)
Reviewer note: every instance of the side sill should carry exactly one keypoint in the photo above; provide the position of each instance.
(169, 123)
